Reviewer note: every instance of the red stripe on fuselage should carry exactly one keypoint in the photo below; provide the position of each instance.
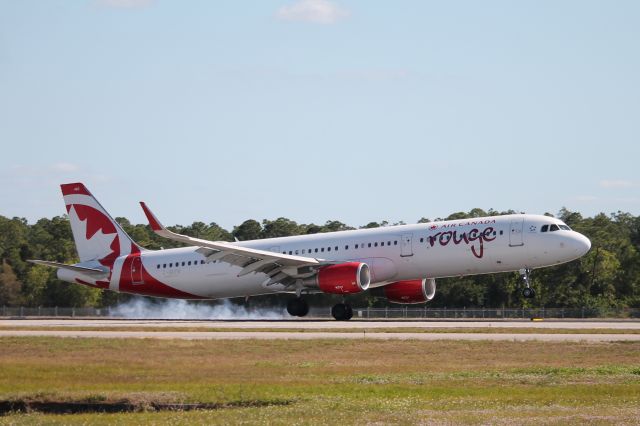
(149, 286)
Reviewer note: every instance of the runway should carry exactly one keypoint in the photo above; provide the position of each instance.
(270, 335)
(303, 324)
(551, 331)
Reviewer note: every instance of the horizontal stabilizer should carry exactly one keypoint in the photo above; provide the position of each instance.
(94, 272)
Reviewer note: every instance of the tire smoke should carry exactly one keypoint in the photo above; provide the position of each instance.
(141, 308)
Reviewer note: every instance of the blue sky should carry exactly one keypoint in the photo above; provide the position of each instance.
(315, 110)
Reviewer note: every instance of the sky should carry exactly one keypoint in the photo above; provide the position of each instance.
(316, 110)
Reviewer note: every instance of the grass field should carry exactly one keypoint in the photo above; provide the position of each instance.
(328, 381)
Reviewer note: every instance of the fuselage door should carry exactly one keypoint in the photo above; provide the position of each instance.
(406, 245)
(136, 271)
(515, 233)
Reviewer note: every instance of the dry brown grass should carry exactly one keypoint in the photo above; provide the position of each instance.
(355, 381)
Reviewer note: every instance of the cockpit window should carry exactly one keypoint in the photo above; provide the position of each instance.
(544, 228)
(554, 227)
(565, 227)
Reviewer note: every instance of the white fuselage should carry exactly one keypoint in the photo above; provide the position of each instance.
(395, 253)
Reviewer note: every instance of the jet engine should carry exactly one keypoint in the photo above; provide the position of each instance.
(344, 278)
(410, 291)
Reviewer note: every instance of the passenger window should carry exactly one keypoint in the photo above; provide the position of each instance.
(375, 244)
(346, 247)
(554, 227)
(544, 228)
(164, 265)
(182, 263)
(158, 266)
(356, 246)
(395, 243)
(296, 251)
(369, 244)
(189, 263)
(290, 252)
(388, 243)
(202, 262)
(336, 248)
(316, 250)
(328, 248)
(422, 240)
(171, 265)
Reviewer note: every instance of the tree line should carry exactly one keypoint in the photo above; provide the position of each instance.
(607, 277)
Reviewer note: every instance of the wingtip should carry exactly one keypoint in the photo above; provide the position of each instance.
(153, 221)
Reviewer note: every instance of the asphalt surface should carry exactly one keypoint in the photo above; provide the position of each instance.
(302, 324)
(306, 329)
(275, 335)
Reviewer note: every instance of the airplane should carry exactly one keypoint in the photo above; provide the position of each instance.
(400, 263)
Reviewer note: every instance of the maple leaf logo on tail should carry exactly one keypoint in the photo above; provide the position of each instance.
(97, 236)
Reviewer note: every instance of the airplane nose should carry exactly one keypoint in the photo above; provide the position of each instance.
(581, 243)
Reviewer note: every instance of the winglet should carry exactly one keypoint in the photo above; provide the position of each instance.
(153, 221)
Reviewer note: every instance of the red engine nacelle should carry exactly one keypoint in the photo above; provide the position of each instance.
(411, 291)
(345, 278)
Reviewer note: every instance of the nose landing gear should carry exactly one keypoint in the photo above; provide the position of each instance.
(527, 291)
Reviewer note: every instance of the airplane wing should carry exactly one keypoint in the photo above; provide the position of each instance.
(281, 268)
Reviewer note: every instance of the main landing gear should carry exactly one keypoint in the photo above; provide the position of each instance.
(298, 307)
(342, 312)
(527, 291)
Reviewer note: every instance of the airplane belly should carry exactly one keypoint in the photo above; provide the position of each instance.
(203, 281)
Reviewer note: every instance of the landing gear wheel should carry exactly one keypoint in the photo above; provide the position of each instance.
(297, 307)
(349, 312)
(528, 293)
(342, 312)
(304, 309)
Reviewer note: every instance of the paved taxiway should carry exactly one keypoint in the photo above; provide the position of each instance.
(304, 329)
